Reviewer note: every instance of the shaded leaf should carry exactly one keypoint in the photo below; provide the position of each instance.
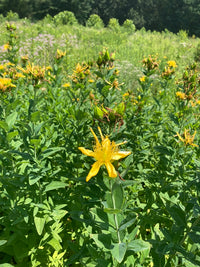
(118, 251)
(39, 224)
(138, 245)
(55, 185)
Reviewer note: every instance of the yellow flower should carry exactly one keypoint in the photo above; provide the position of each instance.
(143, 78)
(181, 95)
(6, 47)
(19, 75)
(104, 153)
(60, 54)
(125, 95)
(5, 83)
(172, 63)
(80, 68)
(36, 72)
(115, 84)
(66, 85)
(187, 138)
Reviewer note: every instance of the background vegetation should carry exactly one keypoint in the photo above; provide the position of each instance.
(153, 15)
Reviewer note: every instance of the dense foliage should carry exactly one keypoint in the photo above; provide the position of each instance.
(154, 15)
(135, 88)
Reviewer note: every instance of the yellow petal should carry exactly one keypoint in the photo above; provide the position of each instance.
(180, 137)
(95, 137)
(111, 170)
(120, 155)
(86, 152)
(102, 138)
(94, 170)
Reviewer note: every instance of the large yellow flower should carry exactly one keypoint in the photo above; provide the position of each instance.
(104, 153)
(187, 138)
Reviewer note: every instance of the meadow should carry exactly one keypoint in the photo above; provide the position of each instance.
(99, 146)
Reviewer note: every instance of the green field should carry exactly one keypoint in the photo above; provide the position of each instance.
(124, 101)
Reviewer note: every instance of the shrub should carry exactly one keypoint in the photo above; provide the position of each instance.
(65, 18)
(182, 34)
(48, 19)
(129, 26)
(12, 16)
(2, 19)
(95, 21)
(113, 24)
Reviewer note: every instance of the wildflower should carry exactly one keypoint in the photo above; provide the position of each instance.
(91, 81)
(6, 47)
(142, 79)
(36, 72)
(104, 153)
(181, 95)
(60, 54)
(115, 84)
(19, 75)
(172, 63)
(66, 85)
(126, 95)
(24, 59)
(150, 63)
(5, 83)
(80, 68)
(187, 138)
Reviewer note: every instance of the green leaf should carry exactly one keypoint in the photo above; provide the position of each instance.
(2, 242)
(55, 185)
(6, 265)
(10, 120)
(177, 214)
(33, 178)
(55, 244)
(117, 195)
(4, 125)
(125, 225)
(195, 237)
(11, 135)
(50, 151)
(138, 245)
(35, 116)
(102, 240)
(118, 251)
(39, 224)
(111, 211)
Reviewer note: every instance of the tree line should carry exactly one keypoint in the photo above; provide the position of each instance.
(174, 15)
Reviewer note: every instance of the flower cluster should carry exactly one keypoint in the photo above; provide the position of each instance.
(6, 83)
(80, 73)
(150, 64)
(35, 72)
(169, 70)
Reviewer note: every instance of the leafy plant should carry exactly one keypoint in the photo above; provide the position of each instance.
(95, 21)
(65, 18)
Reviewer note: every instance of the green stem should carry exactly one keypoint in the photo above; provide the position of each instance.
(115, 215)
